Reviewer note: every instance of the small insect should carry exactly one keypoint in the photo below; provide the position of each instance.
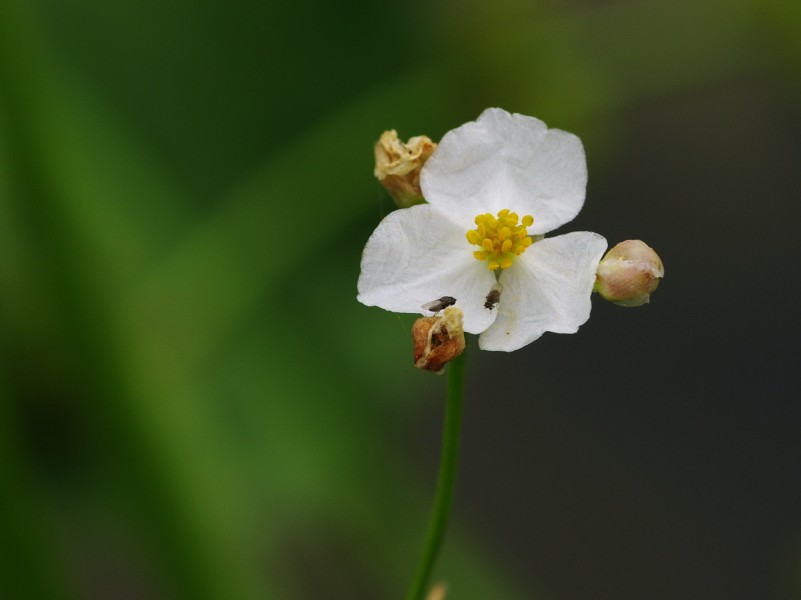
(440, 304)
(494, 296)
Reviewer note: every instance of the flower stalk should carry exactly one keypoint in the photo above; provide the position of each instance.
(446, 480)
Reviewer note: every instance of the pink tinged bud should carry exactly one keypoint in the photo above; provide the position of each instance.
(398, 166)
(629, 273)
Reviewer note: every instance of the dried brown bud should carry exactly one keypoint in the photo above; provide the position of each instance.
(629, 273)
(438, 339)
(398, 166)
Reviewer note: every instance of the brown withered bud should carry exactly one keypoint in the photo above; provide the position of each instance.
(629, 273)
(438, 340)
(398, 166)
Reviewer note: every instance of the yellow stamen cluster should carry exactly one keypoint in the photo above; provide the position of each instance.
(501, 238)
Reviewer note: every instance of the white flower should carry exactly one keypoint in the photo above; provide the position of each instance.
(491, 185)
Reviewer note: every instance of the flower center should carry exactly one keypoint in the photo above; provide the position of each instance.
(501, 238)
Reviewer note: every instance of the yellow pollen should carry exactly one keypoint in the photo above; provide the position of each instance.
(500, 238)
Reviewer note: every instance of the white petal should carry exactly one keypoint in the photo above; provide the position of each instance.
(417, 255)
(547, 289)
(505, 160)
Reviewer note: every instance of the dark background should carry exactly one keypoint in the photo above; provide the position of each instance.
(195, 406)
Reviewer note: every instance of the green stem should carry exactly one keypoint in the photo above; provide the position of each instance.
(446, 480)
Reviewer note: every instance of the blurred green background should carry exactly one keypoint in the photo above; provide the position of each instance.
(195, 406)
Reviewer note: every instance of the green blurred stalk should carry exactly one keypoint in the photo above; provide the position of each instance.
(446, 480)
(196, 565)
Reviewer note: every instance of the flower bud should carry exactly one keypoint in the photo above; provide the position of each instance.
(437, 592)
(438, 339)
(629, 273)
(398, 166)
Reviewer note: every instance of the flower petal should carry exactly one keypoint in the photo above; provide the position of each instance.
(417, 255)
(547, 289)
(512, 161)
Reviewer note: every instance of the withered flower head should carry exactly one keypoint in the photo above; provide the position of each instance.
(438, 339)
(398, 165)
